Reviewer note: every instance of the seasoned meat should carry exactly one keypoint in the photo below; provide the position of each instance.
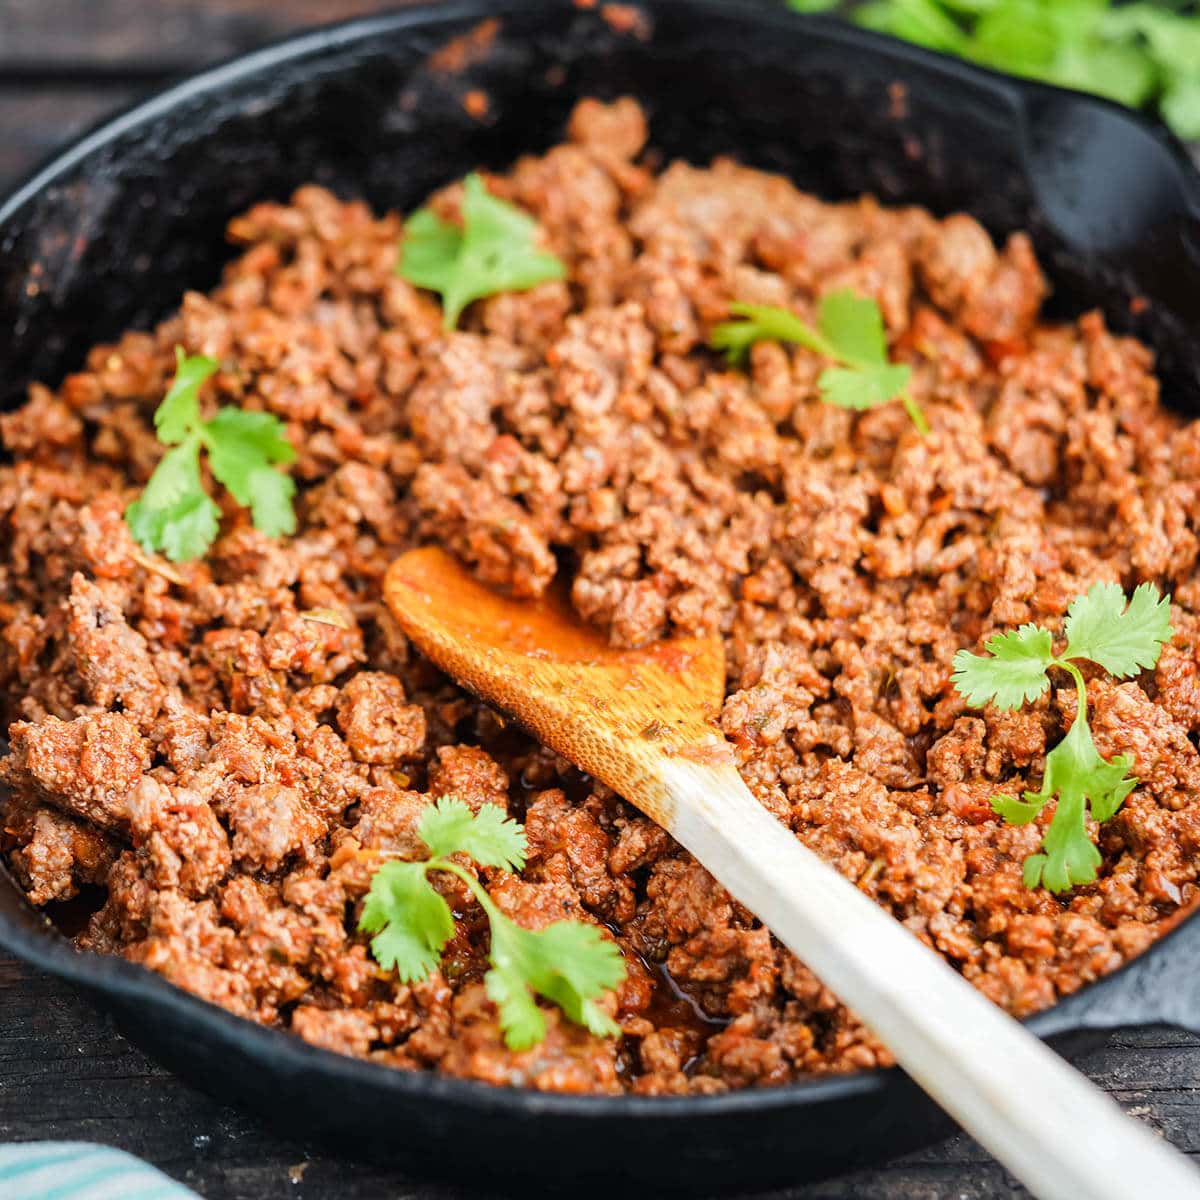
(226, 749)
(87, 767)
(377, 723)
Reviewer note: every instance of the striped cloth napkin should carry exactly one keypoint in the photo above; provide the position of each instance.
(81, 1171)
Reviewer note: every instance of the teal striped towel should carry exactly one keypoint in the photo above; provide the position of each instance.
(81, 1171)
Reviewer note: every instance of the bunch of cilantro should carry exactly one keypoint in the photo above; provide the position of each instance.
(1101, 629)
(1140, 54)
(569, 963)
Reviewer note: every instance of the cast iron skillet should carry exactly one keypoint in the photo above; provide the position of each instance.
(112, 231)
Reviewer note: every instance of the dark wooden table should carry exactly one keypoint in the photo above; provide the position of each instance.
(64, 1071)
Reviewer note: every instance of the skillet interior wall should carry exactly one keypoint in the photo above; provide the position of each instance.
(130, 224)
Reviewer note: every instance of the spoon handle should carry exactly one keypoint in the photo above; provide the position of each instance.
(1057, 1132)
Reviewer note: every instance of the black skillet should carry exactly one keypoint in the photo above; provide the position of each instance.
(113, 230)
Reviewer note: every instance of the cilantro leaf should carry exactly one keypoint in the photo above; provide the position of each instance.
(1139, 54)
(179, 412)
(411, 921)
(1014, 674)
(1070, 858)
(489, 836)
(240, 441)
(575, 964)
(429, 252)
(1076, 774)
(849, 331)
(1018, 37)
(188, 527)
(1122, 640)
(919, 21)
(520, 1017)
(1181, 104)
(569, 963)
(863, 387)
(271, 493)
(1126, 74)
(763, 323)
(242, 445)
(852, 327)
(494, 251)
(1018, 812)
(174, 514)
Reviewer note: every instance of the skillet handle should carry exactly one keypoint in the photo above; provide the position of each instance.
(1159, 987)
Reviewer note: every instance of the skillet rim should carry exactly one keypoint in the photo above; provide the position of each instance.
(106, 976)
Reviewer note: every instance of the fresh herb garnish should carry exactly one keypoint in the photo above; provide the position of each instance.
(1123, 641)
(1137, 54)
(174, 514)
(849, 331)
(494, 251)
(569, 963)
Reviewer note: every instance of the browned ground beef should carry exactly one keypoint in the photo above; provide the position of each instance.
(197, 742)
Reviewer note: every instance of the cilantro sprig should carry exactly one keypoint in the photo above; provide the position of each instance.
(849, 331)
(174, 514)
(1099, 628)
(1141, 54)
(569, 963)
(495, 250)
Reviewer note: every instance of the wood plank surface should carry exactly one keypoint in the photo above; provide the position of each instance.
(151, 36)
(64, 1071)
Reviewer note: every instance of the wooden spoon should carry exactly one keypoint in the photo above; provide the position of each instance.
(642, 721)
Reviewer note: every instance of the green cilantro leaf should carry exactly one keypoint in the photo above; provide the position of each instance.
(1181, 104)
(1076, 773)
(520, 1017)
(174, 515)
(270, 494)
(411, 921)
(489, 836)
(852, 326)
(920, 21)
(1138, 54)
(179, 412)
(849, 331)
(494, 251)
(569, 963)
(1018, 812)
(1123, 639)
(763, 323)
(241, 442)
(1126, 74)
(863, 387)
(242, 446)
(1018, 37)
(1015, 672)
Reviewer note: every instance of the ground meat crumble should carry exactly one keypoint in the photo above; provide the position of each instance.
(204, 755)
